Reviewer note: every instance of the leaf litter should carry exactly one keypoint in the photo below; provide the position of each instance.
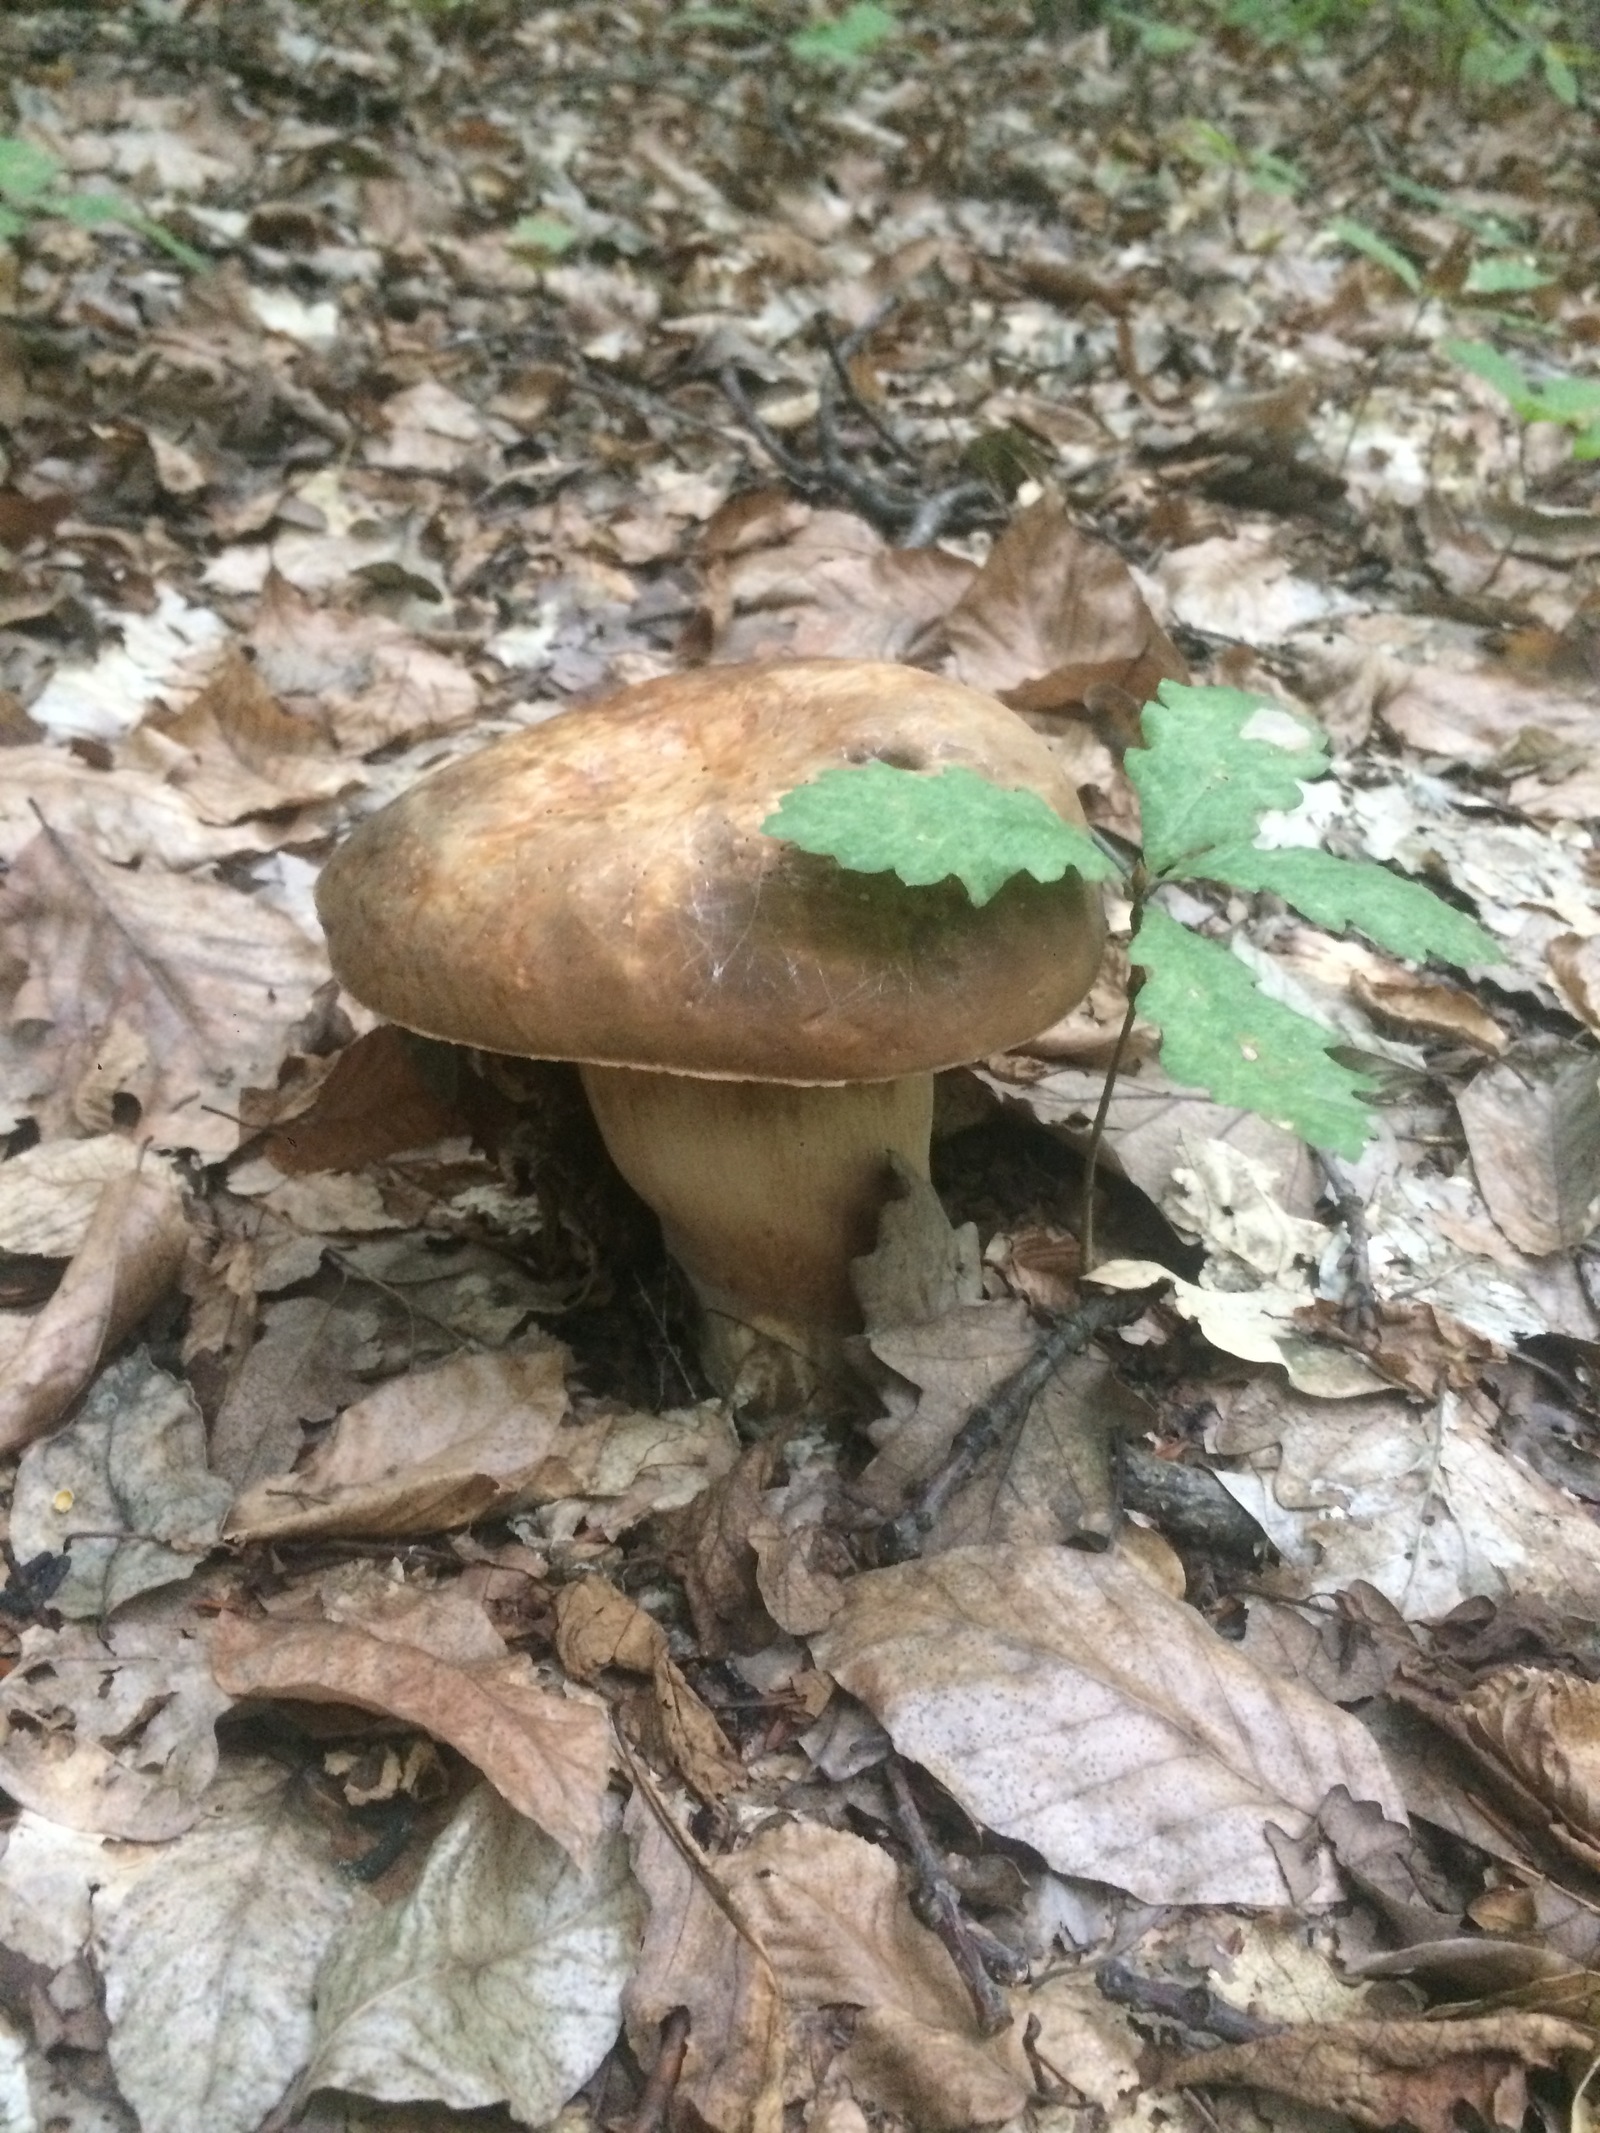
(1240, 1691)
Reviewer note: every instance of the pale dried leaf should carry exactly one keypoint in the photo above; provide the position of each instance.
(110, 1730)
(49, 1193)
(122, 1490)
(1388, 2073)
(435, 1448)
(208, 982)
(130, 1257)
(1068, 1701)
(1534, 1138)
(1422, 1503)
(1546, 1727)
(123, 815)
(370, 681)
(499, 1978)
(233, 751)
(209, 1960)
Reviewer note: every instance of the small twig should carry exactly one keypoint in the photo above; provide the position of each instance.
(1097, 1131)
(839, 356)
(805, 478)
(655, 2105)
(1195, 2006)
(944, 1908)
(1360, 1311)
(935, 512)
(1004, 1409)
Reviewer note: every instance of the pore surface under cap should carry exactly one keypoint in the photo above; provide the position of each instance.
(598, 888)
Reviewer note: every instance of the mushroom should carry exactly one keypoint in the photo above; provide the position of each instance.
(757, 1028)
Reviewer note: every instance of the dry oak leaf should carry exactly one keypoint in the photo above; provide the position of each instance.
(839, 1930)
(1396, 2073)
(174, 991)
(1534, 1139)
(1055, 618)
(1068, 1701)
(132, 1253)
(547, 1754)
(700, 1954)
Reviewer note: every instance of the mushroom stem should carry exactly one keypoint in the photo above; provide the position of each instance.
(766, 1191)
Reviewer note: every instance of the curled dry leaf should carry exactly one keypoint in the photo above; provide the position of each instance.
(1393, 2073)
(132, 1253)
(700, 1953)
(838, 1928)
(122, 1491)
(173, 991)
(210, 1958)
(599, 1627)
(498, 1979)
(1068, 1701)
(434, 1661)
(1546, 1729)
(123, 815)
(111, 1729)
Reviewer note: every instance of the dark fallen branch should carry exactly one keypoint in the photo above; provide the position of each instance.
(1360, 1313)
(1003, 1410)
(916, 520)
(655, 2105)
(941, 1907)
(1195, 2006)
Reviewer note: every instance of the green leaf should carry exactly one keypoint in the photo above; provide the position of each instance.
(1504, 277)
(1398, 914)
(1216, 760)
(1586, 445)
(848, 40)
(1220, 1033)
(1361, 239)
(875, 819)
(543, 233)
(1559, 77)
(1574, 400)
(1496, 370)
(11, 225)
(25, 171)
(90, 208)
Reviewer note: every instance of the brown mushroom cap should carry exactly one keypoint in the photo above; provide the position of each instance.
(598, 888)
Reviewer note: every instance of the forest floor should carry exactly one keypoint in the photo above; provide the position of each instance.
(424, 1703)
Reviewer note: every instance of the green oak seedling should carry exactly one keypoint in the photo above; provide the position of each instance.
(1214, 763)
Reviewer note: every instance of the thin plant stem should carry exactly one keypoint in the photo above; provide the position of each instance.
(1097, 1131)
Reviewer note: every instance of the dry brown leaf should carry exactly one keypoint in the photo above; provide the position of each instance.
(132, 1253)
(598, 1627)
(1056, 614)
(954, 1362)
(1422, 1007)
(233, 750)
(833, 591)
(111, 1727)
(368, 680)
(434, 1661)
(302, 1369)
(1068, 1701)
(1397, 2073)
(435, 1448)
(1534, 1138)
(1545, 1728)
(173, 991)
(709, 1547)
(838, 1928)
(372, 1102)
(699, 1954)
